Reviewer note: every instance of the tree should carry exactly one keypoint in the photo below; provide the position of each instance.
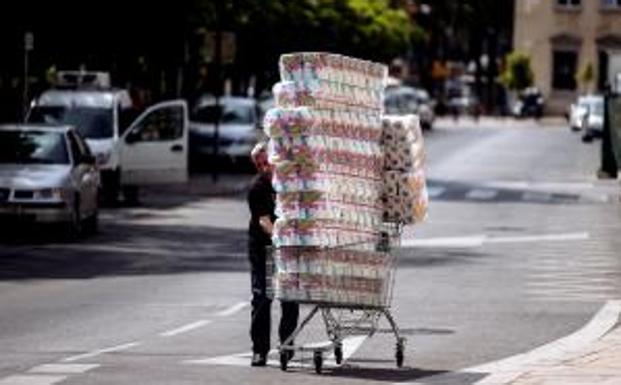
(518, 74)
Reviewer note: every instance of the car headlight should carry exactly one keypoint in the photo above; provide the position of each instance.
(48, 194)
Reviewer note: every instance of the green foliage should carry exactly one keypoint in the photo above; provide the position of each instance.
(518, 73)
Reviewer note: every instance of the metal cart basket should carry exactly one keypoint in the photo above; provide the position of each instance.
(349, 286)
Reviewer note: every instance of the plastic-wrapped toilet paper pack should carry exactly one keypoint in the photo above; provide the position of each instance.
(354, 209)
(402, 141)
(311, 66)
(320, 232)
(405, 197)
(332, 275)
(299, 121)
(326, 95)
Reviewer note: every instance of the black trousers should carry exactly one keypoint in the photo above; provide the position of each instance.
(260, 326)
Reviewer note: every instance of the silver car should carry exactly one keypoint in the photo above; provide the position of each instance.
(401, 100)
(239, 128)
(47, 175)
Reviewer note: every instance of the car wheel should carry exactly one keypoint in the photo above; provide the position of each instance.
(130, 195)
(74, 227)
(110, 183)
(91, 224)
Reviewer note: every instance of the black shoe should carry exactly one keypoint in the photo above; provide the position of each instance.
(259, 359)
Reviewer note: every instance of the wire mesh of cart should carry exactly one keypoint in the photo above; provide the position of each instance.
(349, 287)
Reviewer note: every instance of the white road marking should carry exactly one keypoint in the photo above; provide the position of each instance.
(185, 328)
(95, 353)
(523, 185)
(481, 240)
(233, 309)
(63, 368)
(435, 191)
(583, 236)
(506, 370)
(350, 346)
(449, 242)
(32, 380)
(481, 194)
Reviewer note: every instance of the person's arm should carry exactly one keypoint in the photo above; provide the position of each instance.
(266, 224)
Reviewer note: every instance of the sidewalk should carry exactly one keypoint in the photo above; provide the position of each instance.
(575, 360)
(601, 364)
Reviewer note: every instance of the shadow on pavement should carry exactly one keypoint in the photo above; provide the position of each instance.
(442, 190)
(123, 250)
(393, 375)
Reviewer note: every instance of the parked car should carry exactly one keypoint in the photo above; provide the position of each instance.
(47, 175)
(577, 113)
(132, 148)
(592, 124)
(401, 100)
(238, 128)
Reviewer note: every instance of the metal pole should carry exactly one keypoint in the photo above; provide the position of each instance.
(218, 70)
(609, 167)
(27, 48)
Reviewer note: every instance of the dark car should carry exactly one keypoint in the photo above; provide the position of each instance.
(529, 104)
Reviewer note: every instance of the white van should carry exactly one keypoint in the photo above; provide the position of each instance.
(151, 149)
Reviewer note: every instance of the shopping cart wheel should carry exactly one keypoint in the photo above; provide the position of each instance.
(284, 360)
(338, 355)
(399, 355)
(318, 360)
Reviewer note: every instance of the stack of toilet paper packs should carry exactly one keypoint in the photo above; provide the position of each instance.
(325, 146)
(405, 197)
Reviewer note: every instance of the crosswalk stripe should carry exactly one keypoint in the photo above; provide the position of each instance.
(482, 194)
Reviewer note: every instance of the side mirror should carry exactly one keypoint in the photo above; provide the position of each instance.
(88, 159)
(132, 137)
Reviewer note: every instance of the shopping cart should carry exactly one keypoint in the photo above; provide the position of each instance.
(349, 287)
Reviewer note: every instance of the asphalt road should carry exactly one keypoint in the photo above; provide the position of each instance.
(520, 249)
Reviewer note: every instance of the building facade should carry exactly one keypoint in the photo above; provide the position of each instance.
(562, 38)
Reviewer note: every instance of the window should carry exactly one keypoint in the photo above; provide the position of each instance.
(162, 124)
(564, 70)
(568, 4)
(611, 4)
(91, 122)
(33, 147)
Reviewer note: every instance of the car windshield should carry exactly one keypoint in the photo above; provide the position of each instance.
(33, 147)
(90, 122)
(228, 113)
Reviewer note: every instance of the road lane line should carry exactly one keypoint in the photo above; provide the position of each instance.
(350, 346)
(185, 328)
(32, 380)
(583, 236)
(482, 194)
(481, 240)
(435, 191)
(63, 368)
(233, 309)
(459, 242)
(95, 353)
